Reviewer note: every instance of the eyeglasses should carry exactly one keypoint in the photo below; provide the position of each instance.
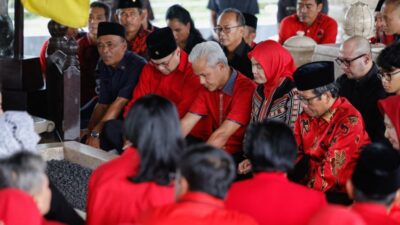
(308, 101)
(163, 64)
(347, 62)
(387, 76)
(226, 30)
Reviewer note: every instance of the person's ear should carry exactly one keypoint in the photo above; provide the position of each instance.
(181, 187)
(350, 189)
(319, 7)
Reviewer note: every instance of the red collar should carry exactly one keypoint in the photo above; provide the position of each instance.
(201, 198)
(183, 61)
(368, 207)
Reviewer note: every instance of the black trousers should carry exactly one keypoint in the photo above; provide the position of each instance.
(111, 136)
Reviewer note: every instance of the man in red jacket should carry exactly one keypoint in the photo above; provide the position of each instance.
(270, 197)
(309, 19)
(329, 132)
(374, 183)
(199, 192)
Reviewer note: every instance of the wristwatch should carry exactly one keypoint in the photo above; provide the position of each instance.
(94, 134)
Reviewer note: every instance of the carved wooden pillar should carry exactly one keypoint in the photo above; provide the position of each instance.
(63, 82)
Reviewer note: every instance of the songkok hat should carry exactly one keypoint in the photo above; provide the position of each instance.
(108, 28)
(251, 20)
(313, 75)
(377, 170)
(161, 43)
(17, 133)
(122, 4)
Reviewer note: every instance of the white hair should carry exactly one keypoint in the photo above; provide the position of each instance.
(209, 50)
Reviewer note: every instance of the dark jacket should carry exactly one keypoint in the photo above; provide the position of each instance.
(364, 94)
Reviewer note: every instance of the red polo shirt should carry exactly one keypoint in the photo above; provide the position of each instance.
(113, 199)
(181, 87)
(323, 30)
(373, 214)
(194, 208)
(272, 199)
(232, 103)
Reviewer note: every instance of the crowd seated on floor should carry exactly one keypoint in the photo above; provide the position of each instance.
(221, 130)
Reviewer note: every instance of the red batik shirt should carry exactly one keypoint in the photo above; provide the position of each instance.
(138, 43)
(333, 143)
(323, 30)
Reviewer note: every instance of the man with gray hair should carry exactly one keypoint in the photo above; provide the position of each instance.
(230, 30)
(225, 100)
(360, 84)
(26, 171)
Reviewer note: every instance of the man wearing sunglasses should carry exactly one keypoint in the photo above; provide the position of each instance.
(360, 84)
(230, 30)
(329, 132)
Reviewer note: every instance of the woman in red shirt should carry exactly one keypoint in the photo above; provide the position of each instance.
(140, 178)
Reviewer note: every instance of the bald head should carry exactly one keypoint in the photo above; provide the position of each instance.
(358, 44)
(355, 57)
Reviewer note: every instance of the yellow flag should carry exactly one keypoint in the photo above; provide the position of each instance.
(71, 13)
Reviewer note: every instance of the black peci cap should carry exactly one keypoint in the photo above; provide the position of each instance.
(313, 75)
(109, 28)
(251, 20)
(122, 4)
(161, 43)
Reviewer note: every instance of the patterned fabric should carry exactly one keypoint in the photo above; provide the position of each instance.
(138, 43)
(285, 105)
(333, 143)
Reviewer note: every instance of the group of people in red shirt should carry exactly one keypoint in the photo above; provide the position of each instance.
(189, 124)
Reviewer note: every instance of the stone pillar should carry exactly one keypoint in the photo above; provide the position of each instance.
(63, 82)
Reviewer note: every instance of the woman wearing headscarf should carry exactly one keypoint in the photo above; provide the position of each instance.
(141, 178)
(390, 108)
(182, 25)
(275, 96)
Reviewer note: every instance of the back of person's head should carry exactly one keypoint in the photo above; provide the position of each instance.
(25, 171)
(270, 146)
(376, 175)
(107, 9)
(207, 169)
(388, 58)
(152, 126)
(17, 132)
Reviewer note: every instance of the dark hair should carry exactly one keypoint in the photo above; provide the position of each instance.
(107, 10)
(270, 146)
(152, 126)
(333, 88)
(389, 58)
(376, 174)
(183, 16)
(239, 16)
(207, 169)
(319, 2)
